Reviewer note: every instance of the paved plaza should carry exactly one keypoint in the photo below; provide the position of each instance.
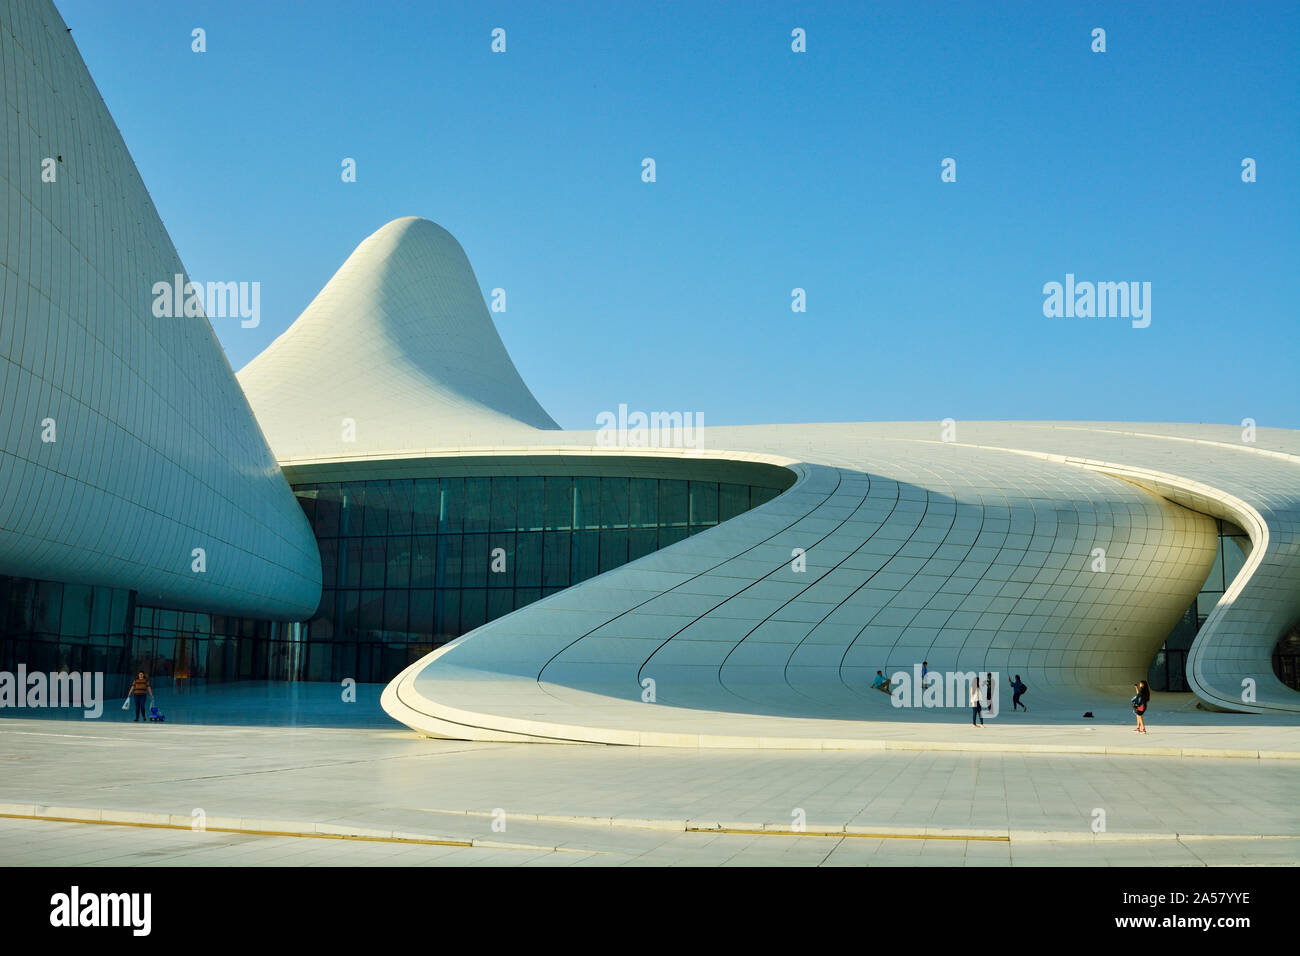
(110, 792)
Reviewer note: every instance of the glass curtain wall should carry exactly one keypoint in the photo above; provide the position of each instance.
(409, 564)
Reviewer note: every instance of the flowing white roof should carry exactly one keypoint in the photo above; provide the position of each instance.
(397, 352)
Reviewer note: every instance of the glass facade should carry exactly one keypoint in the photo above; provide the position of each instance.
(50, 627)
(409, 564)
(188, 645)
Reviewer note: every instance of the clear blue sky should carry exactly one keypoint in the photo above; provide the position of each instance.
(776, 170)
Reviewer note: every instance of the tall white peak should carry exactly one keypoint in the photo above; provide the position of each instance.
(397, 353)
(129, 456)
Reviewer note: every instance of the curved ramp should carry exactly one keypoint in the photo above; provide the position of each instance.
(975, 556)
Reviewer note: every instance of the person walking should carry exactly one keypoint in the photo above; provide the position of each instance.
(141, 691)
(975, 705)
(1017, 688)
(1141, 697)
(988, 691)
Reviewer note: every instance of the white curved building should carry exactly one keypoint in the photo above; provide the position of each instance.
(129, 459)
(974, 556)
(977, 553)
(418, 513)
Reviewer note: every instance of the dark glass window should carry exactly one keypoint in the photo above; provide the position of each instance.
(505, 497)
(446, 615)
(613, 502)
(424, 560)
(532, 497)
(586, 503)
(371, 615)
(528, 559)
(328, 504)
(399, 562)
(395, 608)
(48, 605)
(376, 509)
(704, 503)
(585, 557)
(346, 622)
(613, 549)
(426, 505)
(350, 562)
(421, 614)
(102, 623)
(644, 506)
(477, 503)
(319, 658)
(474, 561)
(732, 500)
(329, 561)
(449, 561)
(352, 508)
(401, 499)
(373, 562)
(672, 504)
(451, 518)
(555, 559)
(74, 623)
(559, 503)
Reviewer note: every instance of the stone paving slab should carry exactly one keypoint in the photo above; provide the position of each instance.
(611, 799)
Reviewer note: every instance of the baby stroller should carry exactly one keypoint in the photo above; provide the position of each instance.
(156, 715)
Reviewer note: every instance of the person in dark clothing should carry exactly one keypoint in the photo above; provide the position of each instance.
(1017, 688)
(141, 691)
(1141, 698)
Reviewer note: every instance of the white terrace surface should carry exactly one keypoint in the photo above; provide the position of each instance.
(973, 555)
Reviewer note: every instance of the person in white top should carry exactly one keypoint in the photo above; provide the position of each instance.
(976, 718)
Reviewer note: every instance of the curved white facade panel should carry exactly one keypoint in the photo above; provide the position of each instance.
(975, 551)
(976, 555)
(127, 444)
(398, 351)
(971, 559)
